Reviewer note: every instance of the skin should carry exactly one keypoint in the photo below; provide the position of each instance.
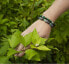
(43, 29)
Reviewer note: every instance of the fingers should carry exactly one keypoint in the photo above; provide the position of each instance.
(20, 47)
(23, 49)
(21, 54)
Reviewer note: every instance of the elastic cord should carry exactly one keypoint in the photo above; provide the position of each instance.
(46, 20)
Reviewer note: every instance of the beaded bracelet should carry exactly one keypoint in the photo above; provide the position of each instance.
(46, 20)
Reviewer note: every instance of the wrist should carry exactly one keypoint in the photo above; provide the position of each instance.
(46, 20)
(57, 8)
(44, 24)
(49, 15)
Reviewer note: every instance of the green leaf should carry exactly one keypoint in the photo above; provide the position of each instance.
(44, 48)
(30, 53)
(37, 3)
(32, 46)
(22, 40)
(35, 37)
(40, 55)
(1, 16)
(11, 52)
(15, 39)
(24, 23)
(18, 1)
(4, 60)
(3, 21)
(50, 39)
(4, 48)
(36, 58)
(52, 47)
(43, 40)
(28, 39)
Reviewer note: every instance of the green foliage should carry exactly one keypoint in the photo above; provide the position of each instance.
(4, 48)
(11, 52)
(4, 60)
(15, 39)
(27, 39)
(16, 16)
(31, 40)
(30, 53)
(43, 48)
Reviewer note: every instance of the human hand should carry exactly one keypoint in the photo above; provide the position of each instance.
(43, 30)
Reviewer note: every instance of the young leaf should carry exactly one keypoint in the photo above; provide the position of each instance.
(15, 39)
(32, 46)
(43, 40)
(22, 40)
(30, 53)
(4, 48)
(28, 39)
(44, 48)
(4, 60)
(35, 37)
(36, 58)
(11, 52)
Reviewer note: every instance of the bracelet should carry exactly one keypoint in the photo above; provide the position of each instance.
(46, 20)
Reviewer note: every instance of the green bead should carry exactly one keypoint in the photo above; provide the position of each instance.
(45, 20)
(44, 17)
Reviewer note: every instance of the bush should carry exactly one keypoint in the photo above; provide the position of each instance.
(19, 14)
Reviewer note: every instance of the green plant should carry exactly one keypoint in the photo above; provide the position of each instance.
(19, 14)
(37, 46)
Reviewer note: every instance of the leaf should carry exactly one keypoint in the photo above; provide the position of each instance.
(22, 40)
(44, 48)
(4, 60)
(1, 16)
(52, 47)
(43, 40)
(32, 46)
(15, 39)
(3, 29)
(50, 39)
(40, 55)
(3, 21)
(37, 42)
(11, 52)
(13, 30)
(4, 48)
(58, 36)
(37, 3)
(30, 53)
(28, 39)
(35, 37)
(36, 58)
(18, 1)
(25, 23)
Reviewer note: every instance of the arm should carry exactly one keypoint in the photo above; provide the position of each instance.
(43, 29)
(54, 11)
(57, 8)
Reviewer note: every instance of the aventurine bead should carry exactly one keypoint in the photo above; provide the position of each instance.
(51, 24)
(44, 17)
